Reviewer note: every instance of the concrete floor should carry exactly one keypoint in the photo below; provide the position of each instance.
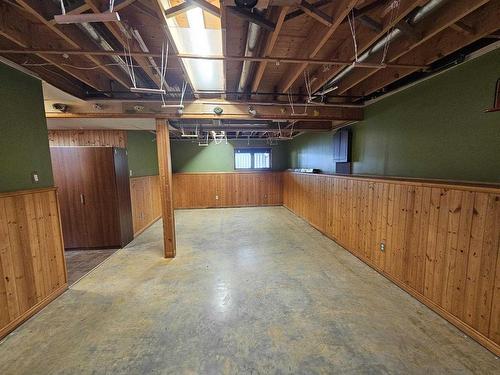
(252, 291)
(81, 262)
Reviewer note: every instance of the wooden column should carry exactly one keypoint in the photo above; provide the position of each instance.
(165, 167)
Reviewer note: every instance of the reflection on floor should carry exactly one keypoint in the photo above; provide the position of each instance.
(251, 291)
(80, 262)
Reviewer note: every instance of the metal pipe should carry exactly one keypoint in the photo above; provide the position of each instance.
(250, 50)
(88, 29)
(422, 13)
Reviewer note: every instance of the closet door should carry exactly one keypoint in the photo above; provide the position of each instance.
(100, 197)
(67, 170)
(122, 181)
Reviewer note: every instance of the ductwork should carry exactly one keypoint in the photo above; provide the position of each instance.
(250, 50)
(418, 16)
(89, 30)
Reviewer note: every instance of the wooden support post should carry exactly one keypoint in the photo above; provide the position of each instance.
(167, 204)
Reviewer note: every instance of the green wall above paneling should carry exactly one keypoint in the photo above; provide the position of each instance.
(312, 150)
(435, 129)
(142, 154)
(189, 157)
(24, 145)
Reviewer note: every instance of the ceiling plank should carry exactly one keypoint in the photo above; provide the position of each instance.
(311, 48)
(484, 21)
(365, 40)
(270, 42)
(316, 13)
(426, 29)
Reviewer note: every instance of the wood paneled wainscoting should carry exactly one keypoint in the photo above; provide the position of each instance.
(227, 189)
(440, 241)
(146, 205)
(32, 265)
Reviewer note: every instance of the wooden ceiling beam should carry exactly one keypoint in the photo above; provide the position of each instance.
(448, 15)
(74, 38)
(178, 9)
(312, 46)
(23, 34)
(268, 49)
(316, 13)
(252, 17)
(206, 6)
(270, 59)
(142, 61)
(485, 20)
(299, 12)
(366, 38)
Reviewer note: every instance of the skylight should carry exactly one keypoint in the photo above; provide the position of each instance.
(197, 32)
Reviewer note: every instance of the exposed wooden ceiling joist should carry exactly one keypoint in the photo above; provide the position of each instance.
(252, 17)
(485, 20)
(450, 13)
(313, 46)
(206, 6)
(269, 45)
(365, 40)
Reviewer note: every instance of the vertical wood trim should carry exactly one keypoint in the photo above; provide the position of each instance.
(165, 168)
(442, 241)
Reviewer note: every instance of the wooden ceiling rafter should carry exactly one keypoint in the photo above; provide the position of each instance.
(448, 15)
(316, 13)
(268, 48)
(252, 17)
(206, 6)
(75, 39)
(365, 39)
(142, 61)
(20, 35)
(311, 48)
(484, 20)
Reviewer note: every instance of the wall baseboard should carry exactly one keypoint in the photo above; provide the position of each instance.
(4, 331)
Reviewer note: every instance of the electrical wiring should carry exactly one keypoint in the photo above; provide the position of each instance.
(392, 19)
(352, 26)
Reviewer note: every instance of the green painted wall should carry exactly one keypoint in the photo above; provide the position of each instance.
(142, 154)
(435, 129)
(24, 145)
(312, 150)
(189, 157)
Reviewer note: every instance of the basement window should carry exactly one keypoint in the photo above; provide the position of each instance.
(252, 158)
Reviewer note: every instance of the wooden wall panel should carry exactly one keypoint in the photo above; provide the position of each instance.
(441, 240)
(32, 266)
(97, 138)
(146, 205)
(238, 189)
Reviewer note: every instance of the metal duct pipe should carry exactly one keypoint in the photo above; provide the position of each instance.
(422, 13)
(250, 50)
(88, 29)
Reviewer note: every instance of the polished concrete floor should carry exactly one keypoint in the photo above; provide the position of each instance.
(81, 262)
(252, 291)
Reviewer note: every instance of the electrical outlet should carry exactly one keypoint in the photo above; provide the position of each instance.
(34, 177)
(382, 246)
(130, 173)
(216, 197)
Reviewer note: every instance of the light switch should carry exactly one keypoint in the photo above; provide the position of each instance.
(34, 177)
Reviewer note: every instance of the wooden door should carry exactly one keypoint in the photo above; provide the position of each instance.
(122, 182)
(100, 197)
(67, 169)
